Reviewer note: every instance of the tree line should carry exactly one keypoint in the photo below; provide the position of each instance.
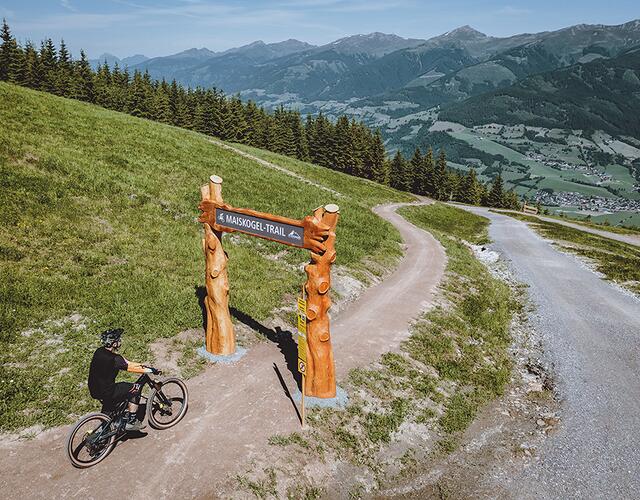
(344, 145)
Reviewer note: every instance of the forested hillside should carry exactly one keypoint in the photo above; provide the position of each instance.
(344, 145)
(600, 95)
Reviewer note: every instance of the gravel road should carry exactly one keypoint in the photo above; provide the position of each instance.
(591, 332)
(631, 239)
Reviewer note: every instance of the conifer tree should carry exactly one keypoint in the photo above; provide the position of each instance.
(342, 157)
(442, 188)
(64, 71)
(377, 156)
(48, 62)
(419, 173)
(8, 54)
(102, 86)
(253, 118)
(496, 194)
(398, 173)
(83, 79)
(299, 137)
(161, 108)
(511, 200)
(31, 73)
(119, 89)
(470, 189)
(430, 173)
(137, 102)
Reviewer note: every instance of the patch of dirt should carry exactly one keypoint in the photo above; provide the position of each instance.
(167, 352)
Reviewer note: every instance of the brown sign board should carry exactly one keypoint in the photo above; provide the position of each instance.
(282, 232)
(309, 233)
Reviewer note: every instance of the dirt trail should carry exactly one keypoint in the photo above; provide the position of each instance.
(234, 409)
(273, 166)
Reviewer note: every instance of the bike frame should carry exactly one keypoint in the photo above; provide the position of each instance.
(143, 380)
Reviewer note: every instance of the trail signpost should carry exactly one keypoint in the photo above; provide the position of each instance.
(302, 349)
(314, 232)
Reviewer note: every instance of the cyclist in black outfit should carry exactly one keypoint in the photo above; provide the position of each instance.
(102, 379)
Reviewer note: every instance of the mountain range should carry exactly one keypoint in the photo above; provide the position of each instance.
(576, 86)
(357, 75)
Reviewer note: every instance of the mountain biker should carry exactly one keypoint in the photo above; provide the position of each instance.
(104, 367)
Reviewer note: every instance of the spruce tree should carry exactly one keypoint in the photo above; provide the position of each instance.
(64, 73)
(48, 62)
(138, 99)
(430, 173)
(419, 173)
(7, 50)
(102, 86)
(343, 148)
(119, 89)
(470, 189)
(377, 155)
(442, 188)
(252, 117)
(398, 173)
(496, 194)
(30, 76)
(299, 137)
(161, 109)
(83, 79)
(511, 200)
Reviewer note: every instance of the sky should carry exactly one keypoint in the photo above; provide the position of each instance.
(162, 27)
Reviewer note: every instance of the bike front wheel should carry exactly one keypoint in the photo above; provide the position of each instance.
(90, 441)
(167, 405)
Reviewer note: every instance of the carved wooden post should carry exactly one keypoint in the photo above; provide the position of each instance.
(321, 378)
(220, 338)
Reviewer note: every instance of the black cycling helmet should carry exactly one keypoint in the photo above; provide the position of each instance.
(110, 337)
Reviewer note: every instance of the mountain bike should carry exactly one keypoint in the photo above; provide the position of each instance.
(96, 434)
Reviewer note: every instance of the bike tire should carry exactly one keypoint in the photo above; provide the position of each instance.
(152, 405)
(81, 464)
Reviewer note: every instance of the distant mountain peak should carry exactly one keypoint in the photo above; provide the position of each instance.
(195, 52)
(373, 44)
(466, 32)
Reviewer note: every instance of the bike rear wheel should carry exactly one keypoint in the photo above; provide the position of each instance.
(167, 406)
(86, 445)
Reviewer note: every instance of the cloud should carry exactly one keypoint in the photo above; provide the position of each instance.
(344, 5)
(509, 10)
(67, 5)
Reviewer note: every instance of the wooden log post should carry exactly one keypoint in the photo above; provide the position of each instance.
(219, 336)
(321, 378)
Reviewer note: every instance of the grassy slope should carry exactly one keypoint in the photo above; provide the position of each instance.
(98, 217)
(617, 261)
(455, 360)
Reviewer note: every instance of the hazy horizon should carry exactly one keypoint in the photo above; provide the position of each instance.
(125, 28)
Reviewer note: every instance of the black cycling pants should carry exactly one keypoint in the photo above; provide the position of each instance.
(121, 391)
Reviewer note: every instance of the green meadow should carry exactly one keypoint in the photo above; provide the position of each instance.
(98, 229)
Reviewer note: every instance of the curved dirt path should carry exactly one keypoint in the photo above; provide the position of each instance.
(234, 409)
(591, 335)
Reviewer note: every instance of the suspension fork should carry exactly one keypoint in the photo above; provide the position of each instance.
(158, 387)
